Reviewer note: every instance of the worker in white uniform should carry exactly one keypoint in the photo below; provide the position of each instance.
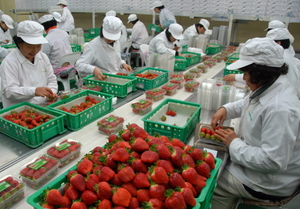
(264, 162)
(102, 54)
(139, 31)
(67, 20)
(282, 37)
(166, 17)
(57, 17)
(26, 73)
(123, 37)
(58, 40)
(6, 24)
(163, 43)
(194, 30)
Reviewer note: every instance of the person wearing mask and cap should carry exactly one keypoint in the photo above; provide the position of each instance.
(67, 20)
(282, 37)
(26, 73)
(166, 17)
(123, 37)
(194, 30)
(58, 40)
(57, 17)
(264, 163)
(102, 54)
(163, 43)
(139, 31)
(6, 24)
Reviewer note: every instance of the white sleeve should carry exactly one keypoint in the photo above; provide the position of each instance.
(84, 63)
(234, 109)
(239, 78)
(163, 49)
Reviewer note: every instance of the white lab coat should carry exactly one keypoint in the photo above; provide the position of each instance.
(265, 156)
(98, 53)
(20, 78)
(67, 20)
(3, 53)
(5, 36)
(166, 17)
(161, 45)
(58, 45)
(138, 35)
(189, 32)
(123, 37)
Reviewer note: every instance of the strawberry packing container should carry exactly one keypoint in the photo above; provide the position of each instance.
(170, 88)
(39, 171)
(179, 126)
(178, 81)
(142, 106)
(191, 58)
(110, 124)
(116, 85)
(77, 121)
(180, 63)
(11, 190)
(146, 84)
(213, 48)
(155, 94)
(65, 152)
(38, 135)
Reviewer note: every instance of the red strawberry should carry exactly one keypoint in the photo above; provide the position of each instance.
(187, 159)
(121, 155)
(190, 174)
(115, 180)
(108, 161)
(209, 159)
(122, 144)
(141, 181)
(72, 193)
(188, 196)
(189, 185)
(138, 132)
(177, 142)
(203, 168)
(91, 182)
(156, 203)
(79, 205)
(162, 150)
(200, 184)
(121, 197)
(105, 204)
(138, 165)
(158, 175)
(46, 205)
(112, 137)
(166, 164)
(176, 180)
(104, 190)
(78, 182)
(134, 203)
(174, 200)
(105, 174)
(70, 174)
(152, 140)
(196, 153)
(53, 197)
(176, 156)
(85, 166)
(143, 195)
(126, 174)
(157, 191)
(139, 145)
(89, 197)
(149, 156)
(132, 189)
(126, 135)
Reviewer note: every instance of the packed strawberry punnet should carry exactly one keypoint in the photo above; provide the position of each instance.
(135, 170)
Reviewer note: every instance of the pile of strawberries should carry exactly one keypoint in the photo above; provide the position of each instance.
(135, 170)
(39, 172)
(89, 102)
(146, 75)
(27, 118)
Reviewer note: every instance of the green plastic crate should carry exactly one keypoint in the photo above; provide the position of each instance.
(207, 192)
(89, 37)
(147, 84)
(235, 56)
(116, 85)
(38, 135)
(226, 72)
(213, 48)
(9, 46)
(77, 121)
(155, 28)
(180, 63)
(76, 47)
(184, 48)
(59, 183)
(94, 31)
(180, 126)
(196, 58)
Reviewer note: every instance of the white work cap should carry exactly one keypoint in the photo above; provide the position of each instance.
(176, 30)
(57, 16)
(111, 13)
(112, 28)
(63, 2)
(157, 4)
(8, 21)
(261, 51)
(279, 34)
(275, 24)
(205, 23)
(132, 17)
(31, 32)
(45, 18)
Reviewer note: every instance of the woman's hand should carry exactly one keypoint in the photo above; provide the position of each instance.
(98, 74)
(44, 92)
(218, 118)
(229, 78)
(227, 136)
(127, 67)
